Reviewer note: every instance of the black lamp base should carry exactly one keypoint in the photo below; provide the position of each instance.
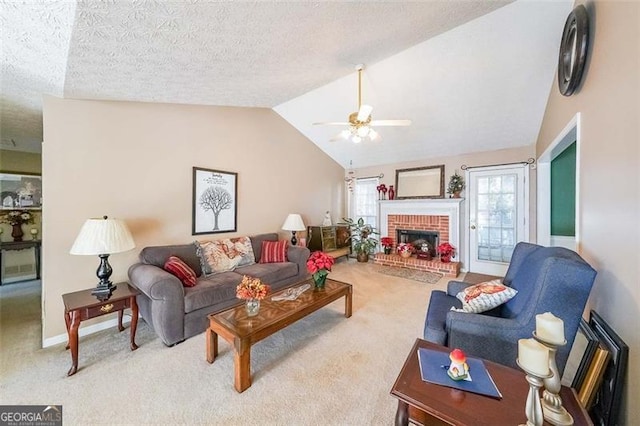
(294, 240)
(105, 288)
(103, 293)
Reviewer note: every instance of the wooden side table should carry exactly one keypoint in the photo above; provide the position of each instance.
(425, 403)
(82, 305)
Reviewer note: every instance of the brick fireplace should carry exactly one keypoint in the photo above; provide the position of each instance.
(436, 215)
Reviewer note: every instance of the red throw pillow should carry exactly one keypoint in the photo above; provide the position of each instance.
(274, 251)
(177, 267)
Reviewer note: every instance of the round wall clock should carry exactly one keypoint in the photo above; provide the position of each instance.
(573, 50)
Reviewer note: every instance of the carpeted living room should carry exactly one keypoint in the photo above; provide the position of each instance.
(489, 143)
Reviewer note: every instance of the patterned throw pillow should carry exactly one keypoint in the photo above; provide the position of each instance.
(484, 296)
(242, 246)
(217, 256)
(274, 251)
(177, 267)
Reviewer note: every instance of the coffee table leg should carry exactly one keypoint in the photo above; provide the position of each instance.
(242, 363)
(402, 415)
(347, 303)
(212, 345)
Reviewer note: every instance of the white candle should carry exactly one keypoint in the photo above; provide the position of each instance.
(533, 356)
(550, 328)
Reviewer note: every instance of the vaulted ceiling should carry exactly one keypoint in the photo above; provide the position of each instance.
(471, 75)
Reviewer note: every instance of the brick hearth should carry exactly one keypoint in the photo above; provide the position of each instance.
(450, 269)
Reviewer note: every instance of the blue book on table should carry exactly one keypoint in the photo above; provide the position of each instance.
(433, 369)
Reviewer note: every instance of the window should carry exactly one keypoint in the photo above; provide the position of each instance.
(365, 201)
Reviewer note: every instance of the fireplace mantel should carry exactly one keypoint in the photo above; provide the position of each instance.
(451, 207)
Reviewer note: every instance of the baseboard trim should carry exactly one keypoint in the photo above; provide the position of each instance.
(85, 331)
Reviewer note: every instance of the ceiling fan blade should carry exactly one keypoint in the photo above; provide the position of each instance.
(332, 123)
(365, 112)
(390, 123)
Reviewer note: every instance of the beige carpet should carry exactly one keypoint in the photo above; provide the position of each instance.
(409, 274)
(323, 370)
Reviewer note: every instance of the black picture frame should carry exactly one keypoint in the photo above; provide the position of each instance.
(20, 191)
(214, 202)
(581, 355)
(606, 406)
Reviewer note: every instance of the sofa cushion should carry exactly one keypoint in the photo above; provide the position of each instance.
(177, 267)
(274, 251)
(158, 255)
(242, 245)
(222, 255)
(270, 273)
(211, 290)
(484, 296)
(256, 242)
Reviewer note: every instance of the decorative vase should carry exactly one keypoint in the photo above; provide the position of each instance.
(405, 254)
(387, 250)
(319, 281)
(362, 257)
(392, 192)
(253, 307)
(456, 194)
(16, 232)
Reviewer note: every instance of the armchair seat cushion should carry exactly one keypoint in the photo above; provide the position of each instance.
(435, 327)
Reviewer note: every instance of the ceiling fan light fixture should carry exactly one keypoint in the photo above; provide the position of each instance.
(363, 131)
(345, 134)
(356, 139)
(373, 135)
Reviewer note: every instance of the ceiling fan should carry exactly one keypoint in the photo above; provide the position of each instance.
(360, 122)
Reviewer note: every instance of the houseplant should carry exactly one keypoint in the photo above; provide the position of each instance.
(361, 237)
(387, 244)
(253, 290)
(456, 185)
(319, 265)
(446, 251)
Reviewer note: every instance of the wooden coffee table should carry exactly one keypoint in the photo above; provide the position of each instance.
(242, 331)
(425, 403)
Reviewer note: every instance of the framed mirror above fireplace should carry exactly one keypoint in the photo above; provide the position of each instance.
(420, 182)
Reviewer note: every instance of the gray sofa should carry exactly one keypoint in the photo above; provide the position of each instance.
(176, 312)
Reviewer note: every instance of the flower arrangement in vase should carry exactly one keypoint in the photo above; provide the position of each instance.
(405, 249)
(253, 290)
(16, 218)
(319, 264)
(387, 244)
(446, 251)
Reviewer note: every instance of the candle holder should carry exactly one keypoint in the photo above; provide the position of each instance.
(552, 407)
(533, 408)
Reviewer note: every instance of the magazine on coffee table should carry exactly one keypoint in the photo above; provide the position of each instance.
(433, 369)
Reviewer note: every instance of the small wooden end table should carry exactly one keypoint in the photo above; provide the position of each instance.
(425, 403)
(82, 305)
(242, 331)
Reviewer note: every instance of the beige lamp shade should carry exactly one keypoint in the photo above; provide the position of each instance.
(103, 236)
(293, 223)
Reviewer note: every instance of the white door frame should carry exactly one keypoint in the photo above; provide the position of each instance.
(566, 137)
(467, 205)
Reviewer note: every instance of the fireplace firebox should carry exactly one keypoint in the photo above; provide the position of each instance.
(419, 239)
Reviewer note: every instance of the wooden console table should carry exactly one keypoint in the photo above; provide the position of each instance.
(425, 403)
(21, 245)
(82, 305)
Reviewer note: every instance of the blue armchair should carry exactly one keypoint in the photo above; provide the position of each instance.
(548, 279)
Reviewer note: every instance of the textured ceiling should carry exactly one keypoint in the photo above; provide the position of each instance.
(471, 75)
(251, 53)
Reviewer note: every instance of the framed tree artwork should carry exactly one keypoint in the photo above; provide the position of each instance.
(215, 207)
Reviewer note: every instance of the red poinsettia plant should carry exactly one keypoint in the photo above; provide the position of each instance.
(252, 288)
(386, 242)
(319, 264)
(446, 250)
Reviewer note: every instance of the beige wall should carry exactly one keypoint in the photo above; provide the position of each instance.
(134, 161)
(609, 211)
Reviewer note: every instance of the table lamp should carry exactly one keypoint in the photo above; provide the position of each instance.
(293, 223)
(102, 237)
